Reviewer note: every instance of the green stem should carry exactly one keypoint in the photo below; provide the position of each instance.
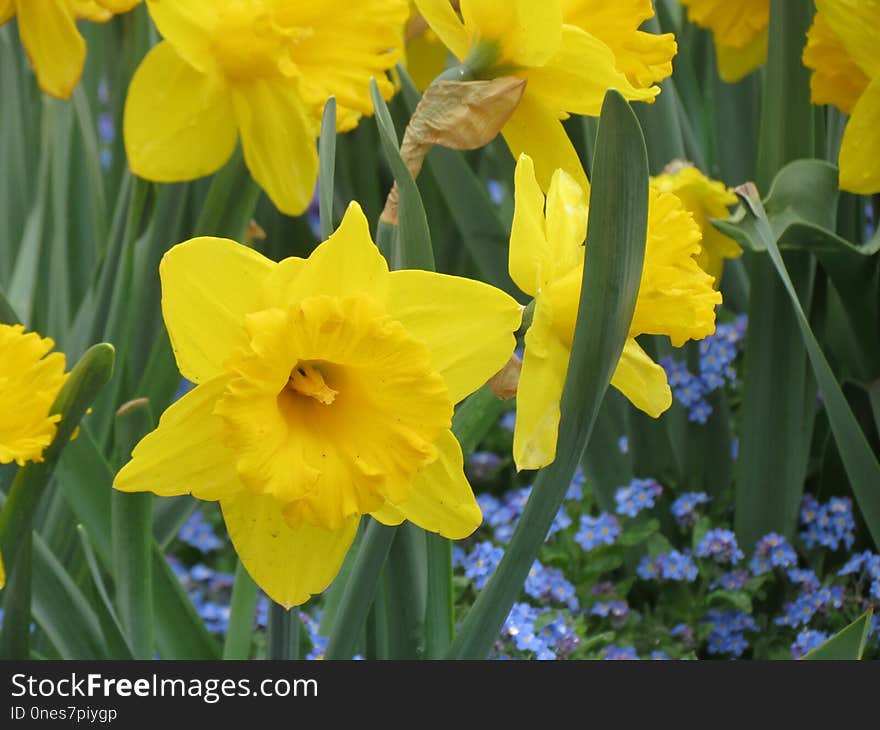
(284, 629)
(360, 590)
(439, 616)
(241, 616)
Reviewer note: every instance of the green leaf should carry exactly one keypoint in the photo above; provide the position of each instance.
(360, 589)
(846, 644)
(132, 537)
(774, 442)
(327, 167)
(113, 632)
(180, 633)
(612, 271)
(242, 606)
(411, 241)
(859, 460)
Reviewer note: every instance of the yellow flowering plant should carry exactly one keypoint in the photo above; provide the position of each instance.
(258, 71)
(704, 199)
(48, 31)
(325, 392)
(570, 52)
(675, 298)
(842, 50)
(739, 28)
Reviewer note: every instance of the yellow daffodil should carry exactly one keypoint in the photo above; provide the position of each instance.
(50, 37)
(843, 51)
(260, 70)
(325, 391)
(739, 28)
(704, 199)
(30, 378)
(675, 298)
(569, 51)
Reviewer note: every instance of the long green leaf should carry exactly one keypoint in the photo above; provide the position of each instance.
(859, 460)
(849, 643)
(327, 167)
(612, 271)
(242, 606)
(131, 530)
(774, 442)
(411, 247)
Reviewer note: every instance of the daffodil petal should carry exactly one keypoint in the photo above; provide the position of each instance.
(642, 380)
(539, 394)
(278, 138)
(446, 24)
(529, 32)
(188, 26)
(860, 149)
(836, 79)
(7, 10)
(735, 63)
(345, 263)
(289, 564)
(579, 74)
(208, 286)
(566, 218)
(442, 499)
(467, 325)
(55, 47)
(119, 6)
(178, 121)
(534, 129)
(644, 57)
(855, 22)
(676, 296)
(2, 573)
(185, 454)
(528, 242)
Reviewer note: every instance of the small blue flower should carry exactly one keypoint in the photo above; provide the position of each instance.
(617, 611)
(674, 565)
(637, 496)
(733, 581)
(806, 641)
(595, 531)
(508, 421)
(620, 653)
(483, 466)
(199, 534)
(659, 655)
(561, 522)
(728, 632)
(827, 525)
(481, 563)
(720, 545)
(575, 491)
(496, 191)
(623, 444)
(772, 551)
(684, 507)
(806, 579)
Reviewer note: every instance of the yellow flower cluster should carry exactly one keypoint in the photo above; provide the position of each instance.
(325, 386)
